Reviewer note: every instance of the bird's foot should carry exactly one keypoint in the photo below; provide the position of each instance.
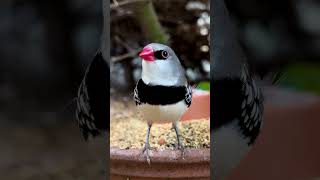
(146, 150)
(180, 142)
(182, 149)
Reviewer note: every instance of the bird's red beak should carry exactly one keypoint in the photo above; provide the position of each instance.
(147, 54)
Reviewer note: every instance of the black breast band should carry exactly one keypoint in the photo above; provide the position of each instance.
(159, 95)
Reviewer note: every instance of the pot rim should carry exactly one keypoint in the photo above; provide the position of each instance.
(192, 155)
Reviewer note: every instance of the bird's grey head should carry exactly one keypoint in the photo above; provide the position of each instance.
(161, 66)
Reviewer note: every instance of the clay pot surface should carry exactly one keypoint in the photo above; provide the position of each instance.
(166, 164)
(289, 145)
(200, 106)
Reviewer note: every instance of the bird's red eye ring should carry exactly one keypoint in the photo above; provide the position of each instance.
(164, 54)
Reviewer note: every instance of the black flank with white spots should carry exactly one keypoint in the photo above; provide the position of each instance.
(236, 99)
(93, 98)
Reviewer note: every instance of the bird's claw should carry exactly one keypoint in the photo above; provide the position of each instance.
(146, 150)
(182, 150)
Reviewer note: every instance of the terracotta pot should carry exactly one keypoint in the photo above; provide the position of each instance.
(289, 145)
(168, 164)
(200, 106)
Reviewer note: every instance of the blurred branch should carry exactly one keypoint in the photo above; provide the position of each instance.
(131, 52)
(125, 56)
(147, 19)
(171, 21)
(150, 24)
(123, 43)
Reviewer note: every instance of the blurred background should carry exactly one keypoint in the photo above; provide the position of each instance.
(47, 45)
(281, 35)
(45, 48)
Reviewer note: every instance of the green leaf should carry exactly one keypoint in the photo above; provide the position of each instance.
(304, 77)
(204, 85)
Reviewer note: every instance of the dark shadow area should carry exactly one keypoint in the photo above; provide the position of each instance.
(46, 47)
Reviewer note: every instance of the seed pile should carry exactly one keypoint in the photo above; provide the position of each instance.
(127, 133)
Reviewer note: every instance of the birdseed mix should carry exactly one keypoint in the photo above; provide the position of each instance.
(127, 133)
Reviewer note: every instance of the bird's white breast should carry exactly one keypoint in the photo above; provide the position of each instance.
(163, 113)
(229, 148)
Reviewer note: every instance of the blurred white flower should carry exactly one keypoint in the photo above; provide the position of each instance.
(195, 5)
(204, 48)
(205, 66)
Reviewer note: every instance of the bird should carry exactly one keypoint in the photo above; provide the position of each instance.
(237, 101)
(93, 97)
(92, 110)
(163, 93)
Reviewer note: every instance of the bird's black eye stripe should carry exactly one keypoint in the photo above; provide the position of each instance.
(161, 55)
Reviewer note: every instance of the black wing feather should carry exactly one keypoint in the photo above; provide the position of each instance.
(93, 98)
(238, 98)
(251, 108)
